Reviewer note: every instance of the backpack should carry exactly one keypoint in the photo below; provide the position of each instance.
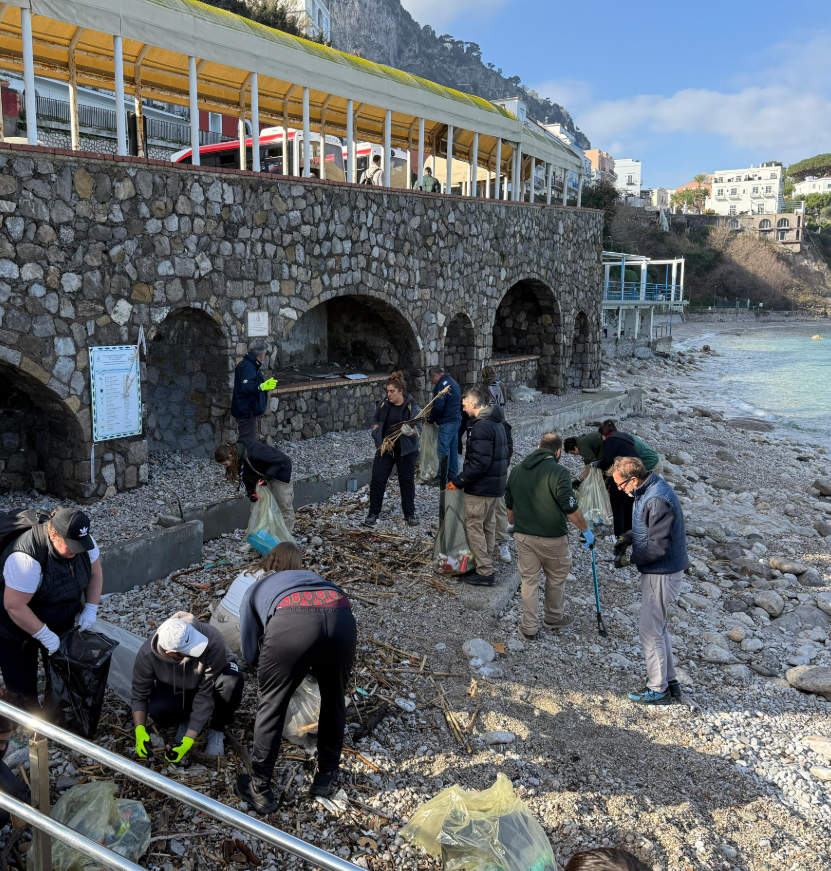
(371, 174)
(14, 523)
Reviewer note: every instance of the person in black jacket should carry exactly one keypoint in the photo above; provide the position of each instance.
(391, 415)
(446, 411)
(255, 464)
(483, 478)
(251, 388)
(617, 444)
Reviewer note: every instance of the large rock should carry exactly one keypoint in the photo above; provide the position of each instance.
(820, 744)
(695, 601)
(725, 456)
(823, 528)
(810, 678)
(784, 565)
(811, 578)
(730, 550)
(680, 459)
(802, 617)
(770, 601)
(823, 485)
(749, 567)
(824, 602)
(714, 653)
(478, 648)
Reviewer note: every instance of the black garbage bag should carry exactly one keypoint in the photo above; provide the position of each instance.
(76, 680)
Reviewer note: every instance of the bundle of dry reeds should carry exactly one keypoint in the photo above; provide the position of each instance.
(388, 445)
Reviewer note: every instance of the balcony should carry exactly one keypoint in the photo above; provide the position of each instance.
(630, 291)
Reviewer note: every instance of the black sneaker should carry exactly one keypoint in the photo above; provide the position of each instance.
(412, 520)
(323, 783)
(477, 580)
(674, 689)
(261, 802)
(371, 519)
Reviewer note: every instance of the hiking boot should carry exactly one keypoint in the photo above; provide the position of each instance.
(525, 639)
(216, 743)
(647, 696)
(180, 733)
(477, 580)
(323, 783)
(504, 553)
(259, 799)
(412, 520)
(371, 519)
(674, 689)
(563, 623)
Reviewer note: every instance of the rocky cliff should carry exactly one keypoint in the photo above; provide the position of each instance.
(384, 32)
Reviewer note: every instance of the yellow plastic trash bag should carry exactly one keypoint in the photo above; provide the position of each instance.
(490, 830)
(428, 452)
(92, 810)
(593, 501)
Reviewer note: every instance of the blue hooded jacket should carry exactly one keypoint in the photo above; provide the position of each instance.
(658, 536)
(248, 400)
(447, 408)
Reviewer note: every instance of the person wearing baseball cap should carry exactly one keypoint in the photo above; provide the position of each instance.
(183, 676)
(51, 573)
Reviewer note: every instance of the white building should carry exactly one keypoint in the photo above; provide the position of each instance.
(565, 136)
(660, 198)
(629, 176)
(811, 185)
(754, 191)
(312, 17)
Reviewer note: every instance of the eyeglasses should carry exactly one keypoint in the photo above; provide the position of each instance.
(623, 483)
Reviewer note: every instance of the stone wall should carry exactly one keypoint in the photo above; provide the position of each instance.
(53, 134)
(516, 372)
(93, 248)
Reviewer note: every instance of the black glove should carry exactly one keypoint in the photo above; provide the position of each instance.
(621, 545)
(621, 561)
(575, 483)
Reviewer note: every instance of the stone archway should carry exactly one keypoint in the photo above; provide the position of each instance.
(579, 370)
(528, 321)
(187, 382)
(42, 443)
(460, 351)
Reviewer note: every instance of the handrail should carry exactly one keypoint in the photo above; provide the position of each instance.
(65, 834)
(184, 794)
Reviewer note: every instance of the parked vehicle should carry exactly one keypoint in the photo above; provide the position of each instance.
(365, 151)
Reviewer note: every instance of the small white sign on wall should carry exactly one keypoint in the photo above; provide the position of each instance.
(257, 324)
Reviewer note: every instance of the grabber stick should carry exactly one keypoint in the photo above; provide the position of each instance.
(600, 627)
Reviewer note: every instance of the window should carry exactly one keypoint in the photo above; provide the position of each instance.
(783, 222)
(773, 175)
(768, 190)
(734, 192)
(733, 212)
(755, 191)
(214, 122)
(734, 224)
(760, 209)
(781, 235)
(764, 225)
(720, 192)
(630, 179)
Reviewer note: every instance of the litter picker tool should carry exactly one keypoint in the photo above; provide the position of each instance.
(600, 627)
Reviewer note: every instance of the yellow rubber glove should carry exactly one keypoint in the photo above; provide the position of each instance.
(142, 740)
(270, 384)
(176, 754)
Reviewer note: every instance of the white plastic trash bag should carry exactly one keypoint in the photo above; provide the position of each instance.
(120, 678)
(525, 394)
(303, 715)
(593, 501)
(428, 452)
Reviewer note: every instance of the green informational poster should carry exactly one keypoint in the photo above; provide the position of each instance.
(115, 387)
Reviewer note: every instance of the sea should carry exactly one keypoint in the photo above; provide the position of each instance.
(776, 372)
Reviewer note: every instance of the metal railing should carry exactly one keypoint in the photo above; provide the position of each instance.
(172, 789)
(631, 291)
(661, 330)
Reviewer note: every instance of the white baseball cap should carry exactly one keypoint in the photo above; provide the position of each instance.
(180, 637)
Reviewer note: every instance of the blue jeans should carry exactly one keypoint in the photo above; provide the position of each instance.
(449, 447)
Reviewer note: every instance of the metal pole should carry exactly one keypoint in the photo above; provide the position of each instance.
(118, 75)
(39, 784)
(449, 173)
(243, 158)
(388, 148)
(74, 134)
(139, 102)
(255, 123)
(307, 151)
(549, 178)
(194, 111)
(498, 167)
(579, 189)
(420, 170)
(175, 790)
(350, 143)
(29, 77)
(474, 167)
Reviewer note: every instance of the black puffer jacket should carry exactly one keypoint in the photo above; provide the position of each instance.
(618, 444)
(485, 471)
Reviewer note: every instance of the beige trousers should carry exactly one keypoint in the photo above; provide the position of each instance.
(552, 556)
(480, 525)
(284, 496)
(502, 536)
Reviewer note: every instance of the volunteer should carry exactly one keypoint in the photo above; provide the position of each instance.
(659, 550)
(430, 184)
(254, 464)
(541, 503)
(226, 612)
(9, 784)
(183, 677)
(293, 621)
(493, 385)
(589, 446)
(249, 399)
(391, 415)
(646, 454)
(51, 572)
(446, 411)
(616, 444)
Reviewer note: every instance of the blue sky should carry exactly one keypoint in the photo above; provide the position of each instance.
(683, 87)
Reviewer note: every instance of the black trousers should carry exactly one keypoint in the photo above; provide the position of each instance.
(247, 427)
(382, 469)
(19, 667)
(169, 708)
(621, 508)
(297, 641)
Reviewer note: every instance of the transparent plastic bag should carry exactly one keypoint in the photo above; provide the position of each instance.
(593, 501)
(491, 830)
(525, 394)
(266, 518)
(120, 678)
(92, 810)
(451, 552)
(303, 715)
(428, 452)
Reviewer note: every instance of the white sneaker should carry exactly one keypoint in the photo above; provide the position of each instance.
(504, 553)
(216, 743)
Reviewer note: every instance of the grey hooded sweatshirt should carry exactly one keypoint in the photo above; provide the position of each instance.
(192, 673)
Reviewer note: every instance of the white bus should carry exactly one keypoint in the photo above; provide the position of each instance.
(365, 151)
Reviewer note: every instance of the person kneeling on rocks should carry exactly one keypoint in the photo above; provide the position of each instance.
(293, 621)
(540, 502)
(183, 676)
(659, 550)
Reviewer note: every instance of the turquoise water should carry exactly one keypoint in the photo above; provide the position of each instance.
(776, 373)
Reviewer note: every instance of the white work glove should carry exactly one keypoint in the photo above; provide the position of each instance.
(407, 430)
(87, 617)
(48, 639)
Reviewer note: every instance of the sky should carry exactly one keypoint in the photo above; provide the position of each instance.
(683, 87)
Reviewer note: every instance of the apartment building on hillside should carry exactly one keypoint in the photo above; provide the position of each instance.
(754, 191)
(603, 165)
(312, 17)
(629, 176)
(811, 185)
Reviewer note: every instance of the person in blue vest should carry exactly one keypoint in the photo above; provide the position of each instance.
(447, 413)
(659, 550)
(251, 387)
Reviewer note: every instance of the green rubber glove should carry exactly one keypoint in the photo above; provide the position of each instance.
(176, 754)
(142, 740)
(270, 384)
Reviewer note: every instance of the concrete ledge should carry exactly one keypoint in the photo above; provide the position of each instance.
(150, 557)
(579, 409)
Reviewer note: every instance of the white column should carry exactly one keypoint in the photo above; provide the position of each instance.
(74, 135)
(498, 166)
(637, 313)
(350, 143)
(307, 151)
(449, 173)
(388, 148)
(29, 77)
(420, 168)
(622, 276)
(619, 321)
(674, 274)
(243, 157)
(488, 177)
(579, 189)
(565, 186)
(518, 187)
(286, 148)
(194, 112)
(549, 173)
(682, 279)
(255, 123)
(138, 102)
(408, 182)
(474, 167)
(532, 172)
(606, 268)
(643, 280)
(651, 321)
(323, 109)
(118, 75)
(513, 172)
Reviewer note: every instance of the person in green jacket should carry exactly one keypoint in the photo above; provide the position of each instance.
(429, 183)
(589, 446)
(541, 502)
(646, 454)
